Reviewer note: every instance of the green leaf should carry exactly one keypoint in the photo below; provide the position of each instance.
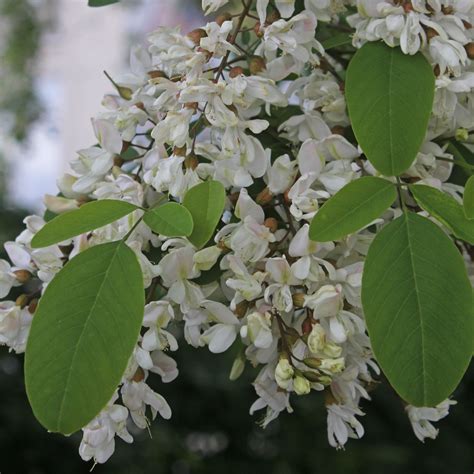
(101, 3)
(445, 209)
(417, 302)
(170, 219)
(389, 96)
(88, 217)
(469, 198)
(352, 208)
(340, 39)
(462, 155)
(82, 336)
(205, 202)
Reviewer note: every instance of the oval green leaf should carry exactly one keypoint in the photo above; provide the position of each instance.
(170, 219)
(469, 198)
(445, 209)
(389, 97)
(463, 156)
(352, 208)
(88, 217)
(82, 336)
(417, 301)
(205, 202)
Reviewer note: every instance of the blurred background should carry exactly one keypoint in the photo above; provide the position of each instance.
(52, 57)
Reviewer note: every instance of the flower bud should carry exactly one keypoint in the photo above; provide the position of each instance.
(312, 362)
(257, 64)
(283, 373)
(301, 385)
(236, 71)
(271, 223)
(462, 135)
(22, 300)
(317, 339)
(264, 197)
(338, 130)
(22, 276)
(257, 30)
(332, 350)
(196, 35)
(311, 376)
(334, 366)
(237, 368)
(298, 301)
(33, 305)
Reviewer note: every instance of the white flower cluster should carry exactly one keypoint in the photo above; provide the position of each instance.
(209, 105)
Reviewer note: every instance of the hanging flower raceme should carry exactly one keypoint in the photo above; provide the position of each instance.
(248, 188)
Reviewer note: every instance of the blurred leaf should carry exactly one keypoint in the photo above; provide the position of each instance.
(463, 154)
(339, 39)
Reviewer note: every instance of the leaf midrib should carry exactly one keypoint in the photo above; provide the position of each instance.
(71, 365)
(420, 312)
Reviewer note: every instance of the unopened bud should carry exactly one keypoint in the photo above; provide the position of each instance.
(286, 197)
(191, 105)
(257, 30)
(22, 300)
(237, 367)
(196, 35)
(236, 71)
(437, 70)
(311, 376)
(307, 325)
(271, 223)
(264, 197)
(139, 375)
(408, 7)
(469, 50)
(256, 64)
(301, 385)
(312, 362)
(298, 301)
(462, 135)
(22, 276)
(447, 10)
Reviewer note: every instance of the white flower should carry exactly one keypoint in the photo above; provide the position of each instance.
(216, 39)
(137, 396)
(342, 424)
(220, 336)
(301, 385)
(284, 373)
(15, 324)
(7, 278)
(258, 329)
(98, 439)
(421, 418)
(158, 314)
(209, 6)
